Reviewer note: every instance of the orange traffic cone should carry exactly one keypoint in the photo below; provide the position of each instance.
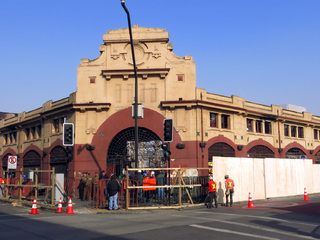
(70, 207)
(59, 209)
(250, 203)
(34, 209)
(305, 198)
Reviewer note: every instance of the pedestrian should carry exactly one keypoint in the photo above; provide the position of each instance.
(139, 179)
(103, 175)
(113, 187)
(229, 184)
(82, 184)
(212, 188)
(86, 190)
(95, 182)
(160, 182)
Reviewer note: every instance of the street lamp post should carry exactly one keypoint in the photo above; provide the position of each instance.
(136, 141)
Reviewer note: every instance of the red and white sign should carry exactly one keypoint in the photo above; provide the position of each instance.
(12, 162)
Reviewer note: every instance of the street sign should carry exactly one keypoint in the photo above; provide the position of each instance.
(12, 162)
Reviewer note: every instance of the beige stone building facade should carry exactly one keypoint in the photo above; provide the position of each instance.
(205, 124)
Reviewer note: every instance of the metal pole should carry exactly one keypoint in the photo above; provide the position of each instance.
(136, 141)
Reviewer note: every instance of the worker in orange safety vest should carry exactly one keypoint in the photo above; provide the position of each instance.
(2, 182)
(229, 184)
(212, 188)
(150, 184)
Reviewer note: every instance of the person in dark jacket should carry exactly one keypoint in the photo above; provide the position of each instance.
(103, 175)
(113, 187)
(160, 182)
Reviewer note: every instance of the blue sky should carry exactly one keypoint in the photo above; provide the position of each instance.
(266, 51)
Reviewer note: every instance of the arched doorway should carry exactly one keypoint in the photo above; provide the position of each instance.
(220, 149)
(295, 153)
(121, 150)
(58, 160)
(260, 151)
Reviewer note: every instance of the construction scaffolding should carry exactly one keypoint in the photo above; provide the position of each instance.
(18, 186)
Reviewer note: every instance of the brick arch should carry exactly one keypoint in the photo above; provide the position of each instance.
(220, 139)
(116, 123)
(296, 145)
(223, 139)
(315, 155)
(32, 148)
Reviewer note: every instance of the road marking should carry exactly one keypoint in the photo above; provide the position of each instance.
(255, 227)
(232, 232)
(266, 218)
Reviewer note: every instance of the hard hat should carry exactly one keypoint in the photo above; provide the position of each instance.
(211, 178)
(139, 171)
(152, 172)
(144, 174)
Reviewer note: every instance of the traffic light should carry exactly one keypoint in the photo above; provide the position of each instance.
(69, 151)
(166, 150)
(168, 130)
(68, 134)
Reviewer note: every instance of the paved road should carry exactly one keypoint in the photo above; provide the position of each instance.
(269, 220)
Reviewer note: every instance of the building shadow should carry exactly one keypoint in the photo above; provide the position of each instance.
(220, 193)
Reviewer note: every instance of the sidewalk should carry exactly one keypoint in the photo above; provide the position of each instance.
(84, 207)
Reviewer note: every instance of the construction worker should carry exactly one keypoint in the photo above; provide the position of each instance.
(150, 183)
(2, 186)
(212, 188)
(229, 184)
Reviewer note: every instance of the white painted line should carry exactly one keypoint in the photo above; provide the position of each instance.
(266, 218)
(254, 227)
(233, 232)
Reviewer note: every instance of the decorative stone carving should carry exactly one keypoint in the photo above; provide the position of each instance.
(156, 53)
(115, 55)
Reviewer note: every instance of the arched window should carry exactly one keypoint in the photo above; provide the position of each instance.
(260, 151)
(295, 153)
(220, 149)
(121, 150)
(58, 160)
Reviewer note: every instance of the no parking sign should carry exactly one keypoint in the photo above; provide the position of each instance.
(12, 162)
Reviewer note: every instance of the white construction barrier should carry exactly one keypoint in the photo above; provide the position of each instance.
(266, 177)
